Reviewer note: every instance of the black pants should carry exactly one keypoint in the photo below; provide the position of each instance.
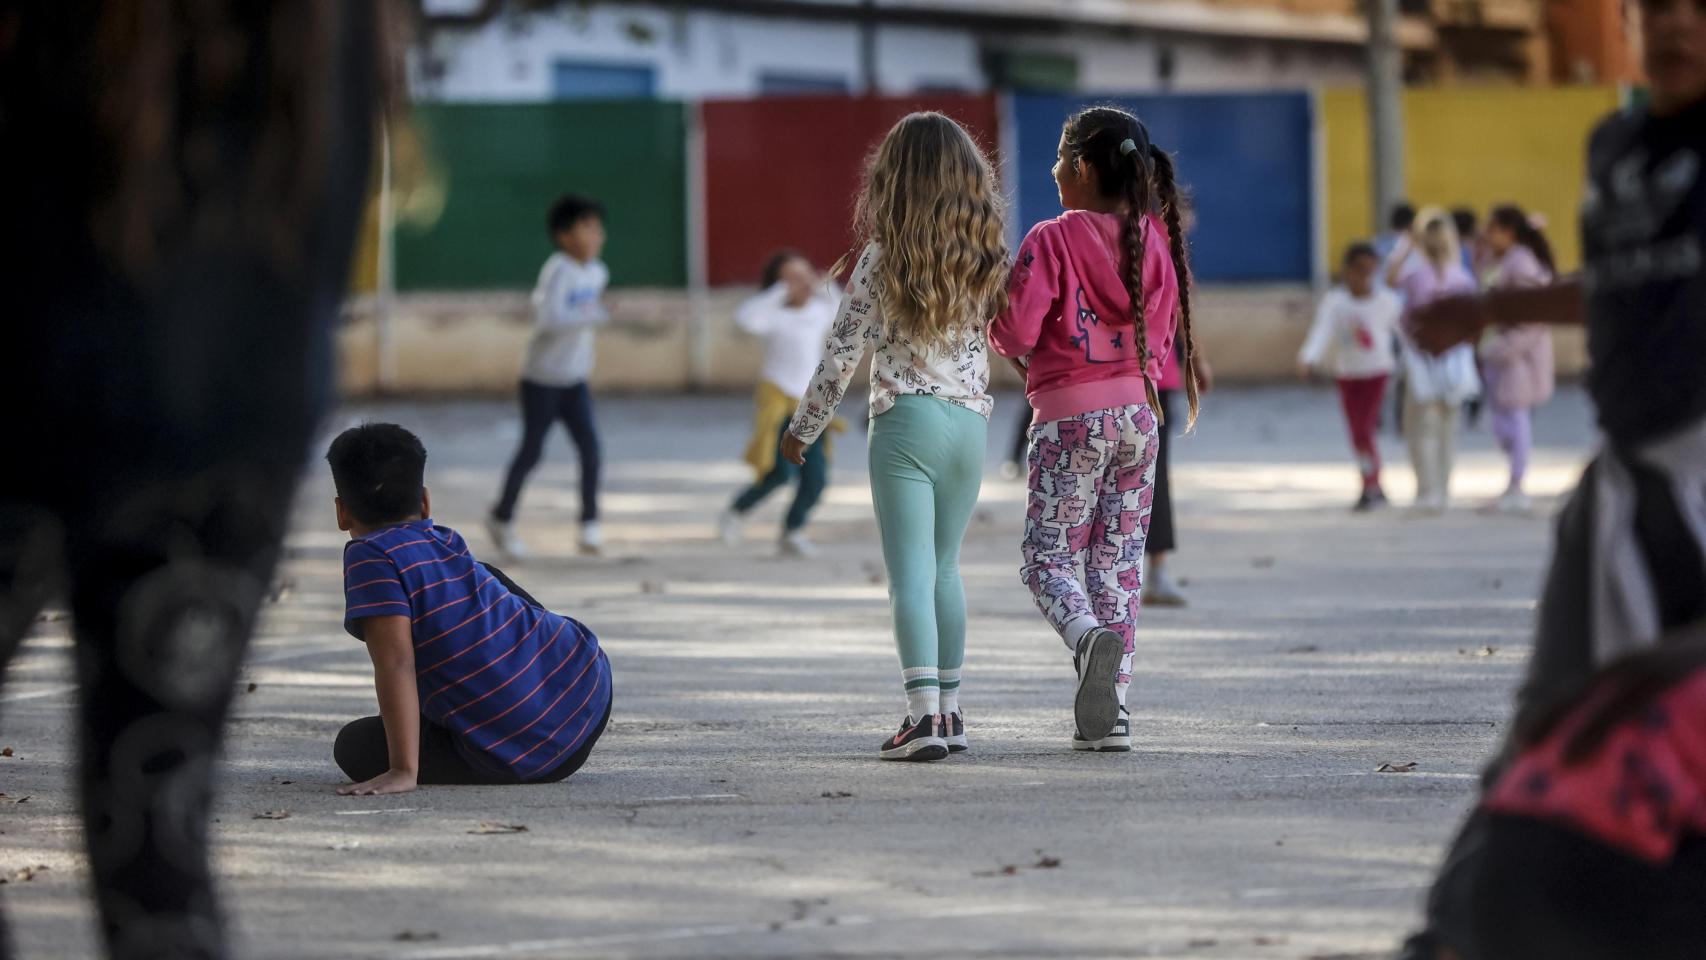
(1527, 890)
(162, 387)
(542, 406)
(1162, 536)
(362, 754)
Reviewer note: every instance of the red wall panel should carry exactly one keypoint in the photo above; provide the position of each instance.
(783, 172)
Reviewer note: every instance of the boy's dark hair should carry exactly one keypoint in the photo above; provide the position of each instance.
(379, 470)
(1403, 216)
(1358, 250)
(773, 266)
(570, 209)
(1464, 219)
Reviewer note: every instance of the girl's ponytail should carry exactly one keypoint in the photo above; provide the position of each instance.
(1168, 192)
(1134, 170)
(1512, 218)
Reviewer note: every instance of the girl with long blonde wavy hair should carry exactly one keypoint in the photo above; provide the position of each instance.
(930, 272)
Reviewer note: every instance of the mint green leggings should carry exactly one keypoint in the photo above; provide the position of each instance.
(926, 460)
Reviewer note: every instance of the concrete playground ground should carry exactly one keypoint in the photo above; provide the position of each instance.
(736, 807)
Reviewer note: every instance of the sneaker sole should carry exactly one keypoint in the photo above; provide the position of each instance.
(1104, 745)
(958, 745)
(922, 749)
(1096, 707)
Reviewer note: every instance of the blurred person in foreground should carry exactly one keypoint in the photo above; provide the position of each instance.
(1590, 840)
(182, 185)
(792, 313)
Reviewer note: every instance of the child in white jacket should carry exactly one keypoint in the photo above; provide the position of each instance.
(1358, 322)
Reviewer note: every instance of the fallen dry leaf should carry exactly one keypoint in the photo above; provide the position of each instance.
(1007, 871)
(835, 794)
(1396, 767)
(1046, 862)
(492, 826)
(5, 751)
(415, 936)
(272, 815)
(1487, 651)
(253, 687)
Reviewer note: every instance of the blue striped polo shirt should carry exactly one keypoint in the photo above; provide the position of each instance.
(520, 687)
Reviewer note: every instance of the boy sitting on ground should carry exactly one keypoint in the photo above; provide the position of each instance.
(477, 682)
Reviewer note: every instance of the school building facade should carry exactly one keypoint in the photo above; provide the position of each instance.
(701, 186)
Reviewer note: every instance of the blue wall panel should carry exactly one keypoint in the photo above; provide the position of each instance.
(1245, 157)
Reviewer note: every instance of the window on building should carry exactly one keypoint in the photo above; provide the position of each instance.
(573, 80)
(782, 84)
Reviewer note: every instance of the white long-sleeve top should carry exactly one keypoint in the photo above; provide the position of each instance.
(793, 336)
(1359, 332)
(957, 372)
(567, 310)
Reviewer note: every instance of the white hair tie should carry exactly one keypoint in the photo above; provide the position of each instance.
(1128, 146)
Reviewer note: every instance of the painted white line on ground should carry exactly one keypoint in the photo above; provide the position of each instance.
(522, 948)
(683, 799)
(369, 813)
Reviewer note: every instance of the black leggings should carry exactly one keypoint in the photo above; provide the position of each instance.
(542, 406)
(1162, 537)
(361, 753)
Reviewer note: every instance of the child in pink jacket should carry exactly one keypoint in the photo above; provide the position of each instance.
(1516, 361)
(1095, 299)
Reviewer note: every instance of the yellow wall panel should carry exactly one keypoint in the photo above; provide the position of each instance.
(1469, 146)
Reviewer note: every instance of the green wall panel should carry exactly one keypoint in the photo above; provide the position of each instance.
(502, 166)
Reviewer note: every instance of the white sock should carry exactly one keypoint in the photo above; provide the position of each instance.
(923, 692)
(950, 690)
(1076, 628)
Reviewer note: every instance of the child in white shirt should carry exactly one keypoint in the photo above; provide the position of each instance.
(792, 314)
(567, 310)
(1358, 323)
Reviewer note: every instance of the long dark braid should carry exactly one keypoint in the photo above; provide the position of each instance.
(1168, 192)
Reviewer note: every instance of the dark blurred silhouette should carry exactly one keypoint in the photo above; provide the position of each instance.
(182, 184)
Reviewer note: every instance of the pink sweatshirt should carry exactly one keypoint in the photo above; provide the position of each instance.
(1065, 288)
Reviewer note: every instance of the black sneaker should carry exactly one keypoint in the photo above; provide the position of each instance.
(1096, 707)
(956, 731)
(1117, 741)
(917, 740)
(1365, 503)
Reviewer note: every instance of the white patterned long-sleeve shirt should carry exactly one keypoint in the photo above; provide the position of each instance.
(957, 372)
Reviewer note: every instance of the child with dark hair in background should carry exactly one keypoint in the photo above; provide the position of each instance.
(567, 310)
(477, 682)
(1095, 298)
(1358, 322)
(1516, 361)
(1589, 842)
(792, 313)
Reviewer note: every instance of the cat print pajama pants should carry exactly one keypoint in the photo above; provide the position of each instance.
(1092, 488)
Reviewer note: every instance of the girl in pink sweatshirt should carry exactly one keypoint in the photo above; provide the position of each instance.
(1095, 299)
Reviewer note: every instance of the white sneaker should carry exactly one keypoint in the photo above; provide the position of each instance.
(505, 538)
(795, 544)
(1160, 591)
(1432, 505)
(729, 528)
(592, 537)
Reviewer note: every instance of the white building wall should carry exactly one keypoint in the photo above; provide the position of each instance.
(715, 54)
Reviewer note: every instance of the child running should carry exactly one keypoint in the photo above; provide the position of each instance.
(1590, 842)
(567, 310)
(1358, 321)
(792, 314)
(477, 682)
(1516, 361)
(1435, 386)
(1095, 298)
(930, 273)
